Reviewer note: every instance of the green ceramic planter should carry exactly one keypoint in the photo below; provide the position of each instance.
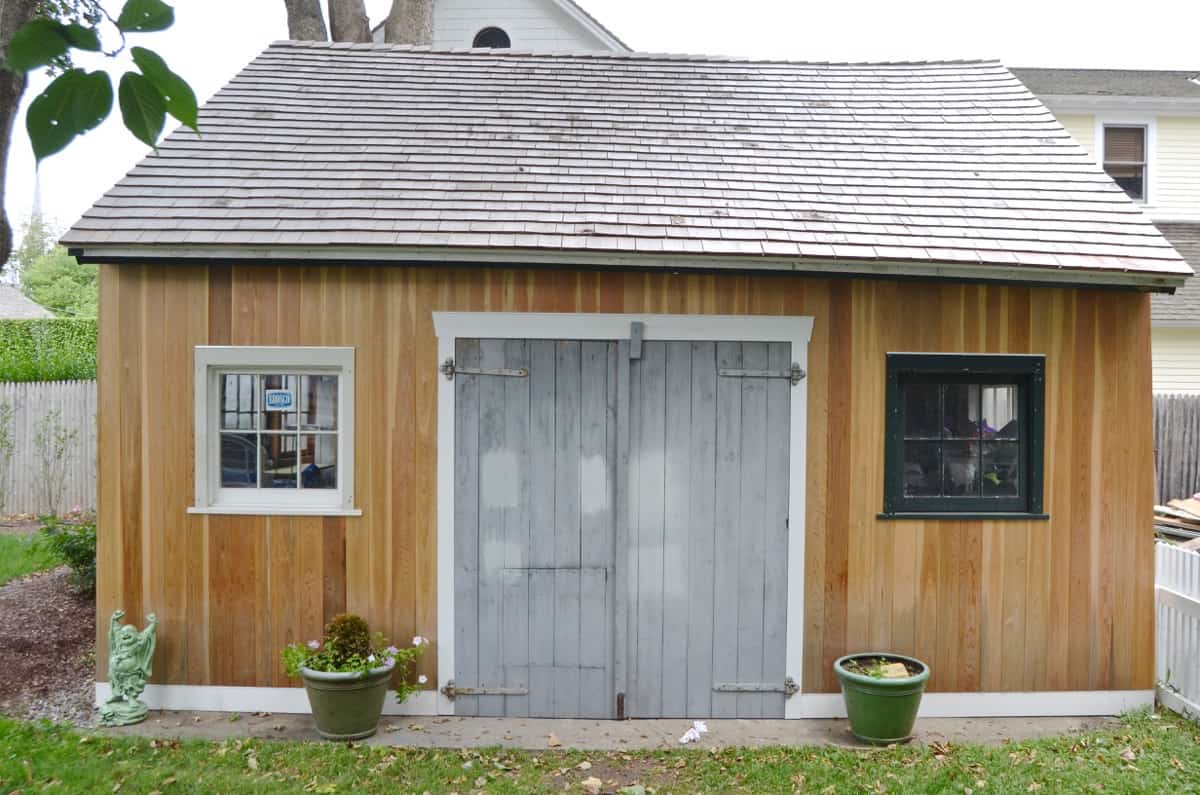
(346, 706)
(881, 711)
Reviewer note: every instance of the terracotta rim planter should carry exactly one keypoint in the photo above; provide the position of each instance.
(346, 706)
(881, 711)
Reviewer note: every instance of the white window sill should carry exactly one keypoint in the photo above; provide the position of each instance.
(269, 510)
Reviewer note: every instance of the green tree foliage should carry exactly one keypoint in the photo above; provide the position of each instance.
(37, 239)
(47, 350)
(58, 282)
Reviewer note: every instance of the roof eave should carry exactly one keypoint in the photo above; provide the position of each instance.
(514, 257)
(1109, 103)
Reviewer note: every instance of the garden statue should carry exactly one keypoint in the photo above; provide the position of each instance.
(129, 656)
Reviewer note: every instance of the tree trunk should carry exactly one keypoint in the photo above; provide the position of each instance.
(13, 14)
(305, 22)
(348, 21)
(409, 22)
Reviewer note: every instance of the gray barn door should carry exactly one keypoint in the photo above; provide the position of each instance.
(534, 527)
(704, 543)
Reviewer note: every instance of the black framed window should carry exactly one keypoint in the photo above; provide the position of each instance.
(964, 435)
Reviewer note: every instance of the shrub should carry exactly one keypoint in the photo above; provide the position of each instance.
(348, 636)
(73, 541)
(55, 349)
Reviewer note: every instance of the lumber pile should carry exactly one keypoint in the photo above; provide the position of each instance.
(1179, 519)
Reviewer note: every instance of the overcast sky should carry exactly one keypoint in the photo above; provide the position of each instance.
(213, 39)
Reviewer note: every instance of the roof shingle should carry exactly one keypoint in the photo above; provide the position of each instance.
(1182, 308)
(344, 146)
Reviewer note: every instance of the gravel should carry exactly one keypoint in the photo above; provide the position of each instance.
(47, 649)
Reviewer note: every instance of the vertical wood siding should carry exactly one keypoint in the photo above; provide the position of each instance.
(1013, 605)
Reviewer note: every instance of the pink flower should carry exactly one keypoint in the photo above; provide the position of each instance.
(314, 645)
(422, 679)
(391, 651)
(419, 641)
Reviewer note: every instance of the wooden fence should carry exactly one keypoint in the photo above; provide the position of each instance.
(1177, 628)
(32, 478)
(1177, 445)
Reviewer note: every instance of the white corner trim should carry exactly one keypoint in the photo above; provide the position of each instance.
(1052, 703)
(591, 25)
(449, 326)
(287, 700)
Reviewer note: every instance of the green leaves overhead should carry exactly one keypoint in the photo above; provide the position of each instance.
(74, 103)
(143, 16)
(178, 95)
(77, 100)
(143, 108)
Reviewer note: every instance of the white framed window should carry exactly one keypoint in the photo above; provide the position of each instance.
(274, 430)
(1125, 153)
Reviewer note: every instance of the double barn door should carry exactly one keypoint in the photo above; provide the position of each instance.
(620, 539)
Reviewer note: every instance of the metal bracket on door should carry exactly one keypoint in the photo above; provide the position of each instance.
(796, 374)
(449, 370)
(789, 687)
(452, 691)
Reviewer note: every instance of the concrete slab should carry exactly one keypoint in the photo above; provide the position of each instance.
(595, 735)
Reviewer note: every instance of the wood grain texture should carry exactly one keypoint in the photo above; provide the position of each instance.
(1041, 605)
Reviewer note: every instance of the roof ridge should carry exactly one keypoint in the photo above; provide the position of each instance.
(482, 52)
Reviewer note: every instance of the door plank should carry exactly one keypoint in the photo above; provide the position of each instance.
(727, 489)
(466, 523)
(701, 522)
(751, 546)
(775, 525)
(676, 453)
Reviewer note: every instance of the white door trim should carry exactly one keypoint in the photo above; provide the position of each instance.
(451, 326)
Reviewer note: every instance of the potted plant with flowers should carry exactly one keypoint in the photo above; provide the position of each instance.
(346, 676)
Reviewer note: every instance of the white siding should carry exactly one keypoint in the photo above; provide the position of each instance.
(1082, 129)
(1176, 355)
(531, 24)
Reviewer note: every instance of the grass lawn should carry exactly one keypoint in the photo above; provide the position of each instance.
(1152, 754)
(18, 556)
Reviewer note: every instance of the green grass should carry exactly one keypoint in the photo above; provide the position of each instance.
(1145, 753)
(20, 556)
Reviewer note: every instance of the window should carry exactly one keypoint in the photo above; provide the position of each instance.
(492, 37)
(274, 430)
(964, 434)
(1125, 158)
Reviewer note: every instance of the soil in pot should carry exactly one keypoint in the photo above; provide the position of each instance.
(882, 694)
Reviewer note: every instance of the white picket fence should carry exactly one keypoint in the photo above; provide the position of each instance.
(32, 402)
(1177, 628)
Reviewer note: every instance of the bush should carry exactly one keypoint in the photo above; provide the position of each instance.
(73, 541)
(54, 349)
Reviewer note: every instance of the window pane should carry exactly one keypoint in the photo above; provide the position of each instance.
(318, 461)
(239, 460)
(921, 411)
(318, 402)
(960, 470)
(278, 402)
(1000, 412)
(237, 402)
(278, 461)
(922, 469)
(1001, 469)
(1125, 143)
(1131, 179)
(961, 411)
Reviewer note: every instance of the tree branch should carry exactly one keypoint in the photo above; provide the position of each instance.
(409, 22)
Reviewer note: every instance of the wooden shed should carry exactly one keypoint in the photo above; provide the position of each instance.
(641, 385)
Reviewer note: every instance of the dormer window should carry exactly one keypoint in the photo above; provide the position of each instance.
(1125, 158)
(495, 38)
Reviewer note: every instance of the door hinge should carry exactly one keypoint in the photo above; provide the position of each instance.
(789, 687)
(452, 691)
(796, 374)
(637, 330)
(449, 370)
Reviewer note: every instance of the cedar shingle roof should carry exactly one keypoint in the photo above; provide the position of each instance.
(388, 149)
(1110, 82)
(1182, 308)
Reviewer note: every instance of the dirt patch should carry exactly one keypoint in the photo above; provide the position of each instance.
(20, 523)
(47, 649)
(614, 770)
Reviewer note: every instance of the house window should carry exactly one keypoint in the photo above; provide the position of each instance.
(1125, 158)
(964, 435)
(492, 37)
(274, 430)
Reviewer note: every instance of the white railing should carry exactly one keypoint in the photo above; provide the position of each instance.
(1177, 627)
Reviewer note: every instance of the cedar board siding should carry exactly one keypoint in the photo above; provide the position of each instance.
(992, 606)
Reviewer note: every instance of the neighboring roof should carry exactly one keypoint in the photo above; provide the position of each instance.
(402, 154)
(1109, 82)
(14, 305)
(1182, 308)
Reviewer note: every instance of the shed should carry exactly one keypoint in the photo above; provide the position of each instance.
(642, 385)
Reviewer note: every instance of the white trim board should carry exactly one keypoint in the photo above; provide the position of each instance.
(1053, 703)
(451, 326)
(286, 700)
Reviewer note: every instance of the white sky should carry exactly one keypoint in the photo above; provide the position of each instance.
(213, 39)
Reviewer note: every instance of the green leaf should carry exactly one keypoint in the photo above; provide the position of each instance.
(37, 43)
(181, 100)
(81, 37)
(74, 103)
(140, 16)
(143, 108)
